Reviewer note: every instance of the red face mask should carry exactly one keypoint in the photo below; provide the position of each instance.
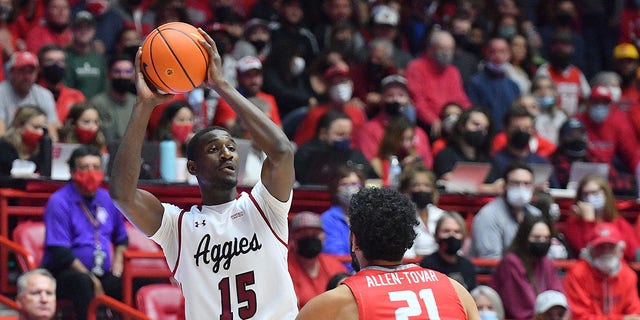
(31, 138)
(85, 135)
(88, 180)
(181, 131)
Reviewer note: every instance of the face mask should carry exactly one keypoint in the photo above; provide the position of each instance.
(507, 32)
(258, 44)
(85, 135)
(564, 19)
(30, 138)
(88, 180)
(393, 109)
(444, 58)
(422, 199)
(496, 69)
(575, 148)
(519, 139)
(474, 138)
(598, 113)
(546, 102)
(518, 197)
(341, 93)
(343, 144)
(460, 39)
(297, 66)
(616, 93)
(560, 60)
(309, 247)
(539, 249)
(344, 195)
(130, 50)
(596, 201)
(449, 122)
(488, 315)
(451, 245)
(607, 264)
(53, 73)
(181, 131)
(5, 12)
(120, 85)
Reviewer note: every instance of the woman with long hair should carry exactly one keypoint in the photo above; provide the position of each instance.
(23, 139)
(83, 125)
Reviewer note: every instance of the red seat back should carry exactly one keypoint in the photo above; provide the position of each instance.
(159, 301)
(138, 241)
(31, 236)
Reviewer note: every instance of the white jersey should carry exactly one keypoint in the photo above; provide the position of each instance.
(231, 259)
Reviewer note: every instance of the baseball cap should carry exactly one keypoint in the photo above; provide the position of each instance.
(335, 71)
(255, 22)
(604, 232)
(247, 63)
(385, 15)
(22, 59)
(571, 124)
(306, 219)
(83, 16)
(625, 51)
(394, 79)
(548, 299)
(600, 92)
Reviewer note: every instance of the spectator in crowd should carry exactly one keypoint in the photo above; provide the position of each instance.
(53, 29)
(54, 66)
(367, 75)
(127, 42)
(519, 130)
(550, 117)
(291, 31)
(384, 24)
(551, 305)
(572, 147)
(489, 303)
(82, 225)
(22, 143)
(601, 284)
(613, 81)
(310, 268)
(491, 87)
(176, 122)
(448, 116)
(626, 61)
(520, 66)
(337, 13)
(525, 270)
(345, 182)
(563, 18)
(340, 91)
(463, 59)
(36, 296)
(86, 66)
(331, 148)
(450, 234)
(495, 225)
(434, 81)
(594, 205)
(109, 24)
(382, 221)
(129, 12)
(10, 40)
(419, 184)
(396, 102)
(21, 89)
(116, 102)
(83, 125)
(255, 41)
(571, 84)
(397, 141)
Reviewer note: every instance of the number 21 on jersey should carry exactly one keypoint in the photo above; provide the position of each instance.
(414, 307)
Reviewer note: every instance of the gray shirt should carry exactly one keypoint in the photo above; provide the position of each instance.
(494, 227)
(10, 102)
(114, 115)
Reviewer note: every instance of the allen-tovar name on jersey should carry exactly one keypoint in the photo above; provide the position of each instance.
(400, 277)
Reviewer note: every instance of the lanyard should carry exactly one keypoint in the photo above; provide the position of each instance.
(98, 254)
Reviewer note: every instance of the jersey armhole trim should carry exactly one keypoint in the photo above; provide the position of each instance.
(175, 267)
(264, 217)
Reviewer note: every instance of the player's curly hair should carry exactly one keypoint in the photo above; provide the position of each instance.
(382, 220)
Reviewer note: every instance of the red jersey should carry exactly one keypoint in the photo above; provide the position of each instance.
(407, 292)
(571, 86)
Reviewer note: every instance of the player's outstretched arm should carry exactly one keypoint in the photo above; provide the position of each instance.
(142, 208)
(277, 171)
(467, 301)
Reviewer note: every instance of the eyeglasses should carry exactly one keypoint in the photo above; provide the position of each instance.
(122, 72)
(527, 184)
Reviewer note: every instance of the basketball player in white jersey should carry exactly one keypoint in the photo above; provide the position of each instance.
(230, 256)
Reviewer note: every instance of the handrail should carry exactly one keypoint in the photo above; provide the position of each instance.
(10, 303)
(26, 260)
(104, 300)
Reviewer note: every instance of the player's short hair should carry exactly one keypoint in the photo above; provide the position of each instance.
(193, 143)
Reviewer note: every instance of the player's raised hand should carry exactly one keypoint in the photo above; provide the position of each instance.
(145, 94)
(215, 75)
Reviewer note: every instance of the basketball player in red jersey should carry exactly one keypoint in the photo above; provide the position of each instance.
(382, 223)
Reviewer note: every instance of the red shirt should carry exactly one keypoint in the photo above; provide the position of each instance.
(307, 129)
(41, 35)
(306, 287)
(545, 147)
(408, 292)
(577, 231)
(66, 99)
(571, 85)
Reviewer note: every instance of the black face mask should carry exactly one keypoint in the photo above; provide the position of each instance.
(309, 247)
(57, 28)
(519, 139)
(560, 60)
(575, 148)
(539, 249)
(121, 85)
(392, 108)
(474, 138)
(461, 40)
(451, 245)
(375, 68)
(421, 198)
(130, 50)
(53, 73)
(259, 44)
(564, 19)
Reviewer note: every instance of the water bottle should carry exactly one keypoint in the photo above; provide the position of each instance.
(46, 149)
(168, 149)
(394, 172)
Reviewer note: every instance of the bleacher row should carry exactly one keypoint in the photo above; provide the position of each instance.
(23, 208)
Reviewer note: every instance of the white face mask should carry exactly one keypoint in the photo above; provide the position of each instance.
(607, 264)
(596, 200)
(488, 315)
(341, 92)
(519, 196)
(449, 122)
(616, 93)
(297, 66)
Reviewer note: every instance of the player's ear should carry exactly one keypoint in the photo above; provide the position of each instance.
(352, 239)
(191, 167)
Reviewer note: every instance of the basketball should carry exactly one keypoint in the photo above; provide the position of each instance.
(173, 61)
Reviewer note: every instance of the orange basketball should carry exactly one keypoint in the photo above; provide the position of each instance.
(173, 61)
